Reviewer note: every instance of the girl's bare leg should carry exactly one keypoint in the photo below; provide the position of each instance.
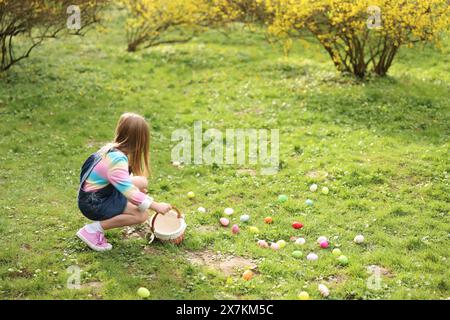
(140, 182)
(130, 216)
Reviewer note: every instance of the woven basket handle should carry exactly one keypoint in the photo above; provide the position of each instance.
(152, 226)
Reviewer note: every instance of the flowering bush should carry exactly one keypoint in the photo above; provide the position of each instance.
(359, 34)
(150, 20)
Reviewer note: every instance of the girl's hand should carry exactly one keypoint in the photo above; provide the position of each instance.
(161, 207)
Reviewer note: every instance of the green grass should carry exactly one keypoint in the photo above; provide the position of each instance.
(383, 143)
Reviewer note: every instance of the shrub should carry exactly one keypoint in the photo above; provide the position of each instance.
(33, 21)
(344, 28)
(150, 21)
(154, 22)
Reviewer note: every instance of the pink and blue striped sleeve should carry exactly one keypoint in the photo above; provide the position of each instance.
(119, 177)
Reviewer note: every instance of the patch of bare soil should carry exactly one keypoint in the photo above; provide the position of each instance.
(151, 250)
(205, 229)
(137, 232)
(227, 264)
(317, 174)
(94, 285)
(250, 172)
(336, 279)
(373, 268)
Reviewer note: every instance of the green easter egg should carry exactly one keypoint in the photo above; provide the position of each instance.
(343, 260)
(143, 292)
(297, 254)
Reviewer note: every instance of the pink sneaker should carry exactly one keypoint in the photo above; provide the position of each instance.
(96, 241)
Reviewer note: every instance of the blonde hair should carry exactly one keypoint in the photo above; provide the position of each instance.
(132, 138)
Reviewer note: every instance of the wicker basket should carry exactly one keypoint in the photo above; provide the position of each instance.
(168, 227)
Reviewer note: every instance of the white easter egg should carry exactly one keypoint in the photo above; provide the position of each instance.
(228, 211)
(324, 291)
(359, 238)
(201, 210)
(312, 257)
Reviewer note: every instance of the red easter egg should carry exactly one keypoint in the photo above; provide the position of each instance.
(297, 225)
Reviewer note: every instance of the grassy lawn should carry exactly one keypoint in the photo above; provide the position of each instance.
(381, 147)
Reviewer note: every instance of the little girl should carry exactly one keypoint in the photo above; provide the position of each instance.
(108, 195)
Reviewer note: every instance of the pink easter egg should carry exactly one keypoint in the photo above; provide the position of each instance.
(235, 229)
(224, 222)
(275, 246)
(263, 243)
(324, 244)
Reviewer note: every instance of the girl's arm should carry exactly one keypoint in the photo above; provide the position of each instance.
(119, 177)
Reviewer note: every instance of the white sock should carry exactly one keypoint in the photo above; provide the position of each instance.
(94, 227)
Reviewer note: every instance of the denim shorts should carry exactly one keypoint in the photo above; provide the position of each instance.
(102, 204)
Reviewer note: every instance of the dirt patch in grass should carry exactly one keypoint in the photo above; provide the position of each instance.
(317, 174)
(250, 172)
(151, 250)
(25, 247)
(373, 268)
(138, 232)
(336, 279)
(94, 285)
(205, 229)
(22, 273)
(227, 264)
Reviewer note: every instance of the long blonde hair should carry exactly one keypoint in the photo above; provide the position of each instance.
(133, 139)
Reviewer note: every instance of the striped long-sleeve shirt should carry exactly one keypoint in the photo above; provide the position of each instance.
(113, 169)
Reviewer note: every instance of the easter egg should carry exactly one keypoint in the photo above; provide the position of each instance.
(309, 202)
(297, 225)
(274, 246)
(336, 252)
(143, 292)
(324, 291)
(268, 220)
(201, 210)
(313, 187)
(321, 239)
(176, 163)
(312, 256)
(293, 238)
(191, 195)
(297, 254)
(282, 198)
(224, 221)
(300, 241)
(253, 229)
(303, 295)
(244, 218)
(325, 190)
(247, 275)
(281, 243)
(228, 211)
(343, 260)
(359, 238)
(235, 229)
(263, 243)
(324, 244)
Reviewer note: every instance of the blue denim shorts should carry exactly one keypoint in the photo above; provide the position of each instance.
(102, 204)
